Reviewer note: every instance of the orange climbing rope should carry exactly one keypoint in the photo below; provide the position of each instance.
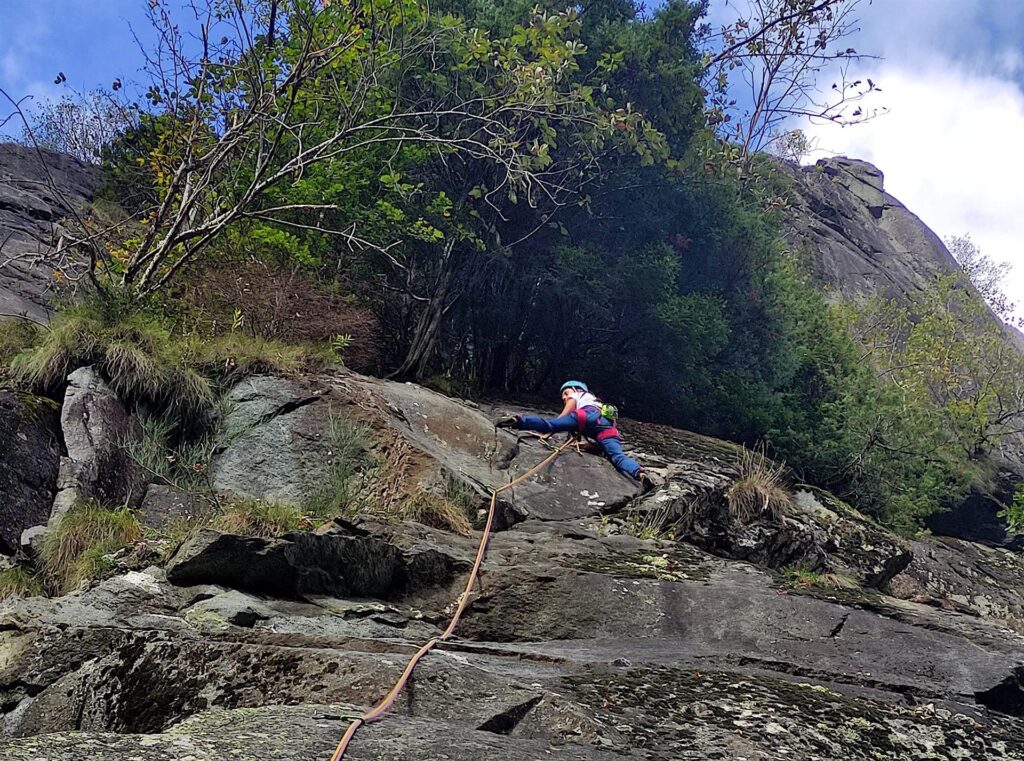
(377, 711)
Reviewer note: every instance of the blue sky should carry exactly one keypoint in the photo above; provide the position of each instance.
(951, 73)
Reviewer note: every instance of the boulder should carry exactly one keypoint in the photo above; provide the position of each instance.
(955, 574)
(351, 564)
(163, 505)
(29, 459)
(96, 426)
(275, 440)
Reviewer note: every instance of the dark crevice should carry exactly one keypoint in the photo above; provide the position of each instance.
(289, 407)
(504, 722)
(838, 627)
(1006, 697)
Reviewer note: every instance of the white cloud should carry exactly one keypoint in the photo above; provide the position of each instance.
(950, 150)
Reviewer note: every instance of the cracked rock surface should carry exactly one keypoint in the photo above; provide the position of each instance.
(580, 642)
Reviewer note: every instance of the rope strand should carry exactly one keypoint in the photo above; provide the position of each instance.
(375, 713)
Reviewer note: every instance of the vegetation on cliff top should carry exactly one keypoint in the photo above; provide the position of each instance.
(503, 196)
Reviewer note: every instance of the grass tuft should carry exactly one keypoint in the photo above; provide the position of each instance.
(261, 519)
(802, 578)
(759, 492)
(451, 510)
(350, 447)
(76, 549)
(143, 358)
(17, 582)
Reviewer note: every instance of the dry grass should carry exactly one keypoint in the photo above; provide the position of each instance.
(451, 510)
(280, 301)
(267, 520)
(77, 548)
(759, 492)
(801, 578)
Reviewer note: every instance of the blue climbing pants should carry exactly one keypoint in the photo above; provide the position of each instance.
(594, 426)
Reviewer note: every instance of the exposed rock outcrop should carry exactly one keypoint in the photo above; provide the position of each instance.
(858, 239)
(29, 457)
(30, 221)
(582, 641)
(96, 427)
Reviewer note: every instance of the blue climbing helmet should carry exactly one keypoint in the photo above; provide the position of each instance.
(574, 384)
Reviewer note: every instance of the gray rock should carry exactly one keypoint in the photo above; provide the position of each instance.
(28, 464)
(163, 505)
(341, 564)
(96, 425)
(276, 445)
(954, 574)
(860, 240)
(30, 221)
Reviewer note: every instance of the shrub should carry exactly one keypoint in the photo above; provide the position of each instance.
(17, 582)
(1013, 513)
(759, 492)
(77, 548)
(261, 519)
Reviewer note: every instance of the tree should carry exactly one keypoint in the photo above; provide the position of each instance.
(274, 90)
(986, 275)
(948, 372)
(778, 50)
(80, 126)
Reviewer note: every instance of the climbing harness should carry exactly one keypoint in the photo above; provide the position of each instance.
(378, 710)
(612, 431)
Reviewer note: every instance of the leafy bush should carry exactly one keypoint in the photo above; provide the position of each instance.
(1013, 513)
(76, 549)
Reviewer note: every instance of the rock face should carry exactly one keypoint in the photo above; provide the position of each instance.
(29, 456)
(96, 426)
(582, 641)
(30, 219)
(859, 240)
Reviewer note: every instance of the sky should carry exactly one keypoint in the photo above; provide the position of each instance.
(951, 74)
(951, 146)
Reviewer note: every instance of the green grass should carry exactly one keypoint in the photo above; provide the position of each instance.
(802, 578)
(350, 455)
(77, 548)
(15, 336)
(17, 582)
(145, 358)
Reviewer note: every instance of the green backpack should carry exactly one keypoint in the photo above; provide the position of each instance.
(609, 412)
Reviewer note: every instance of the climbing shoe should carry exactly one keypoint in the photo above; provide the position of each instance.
(509, 421)
(646, 482)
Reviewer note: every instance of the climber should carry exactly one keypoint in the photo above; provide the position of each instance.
(582, 413)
